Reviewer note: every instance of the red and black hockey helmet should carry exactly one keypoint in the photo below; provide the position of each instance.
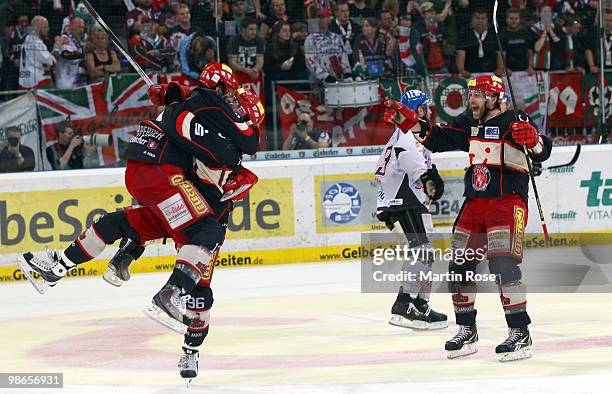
(488, 84)
(216, 74)
(252, 106)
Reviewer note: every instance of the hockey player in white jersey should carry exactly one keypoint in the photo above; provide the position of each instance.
(409, 182)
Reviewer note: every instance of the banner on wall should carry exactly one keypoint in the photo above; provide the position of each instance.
(30, 220)
(115, 108)
(565, 100)
(21, 112)
(346, 126)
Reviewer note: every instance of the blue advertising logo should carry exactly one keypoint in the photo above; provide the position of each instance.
(341, 203)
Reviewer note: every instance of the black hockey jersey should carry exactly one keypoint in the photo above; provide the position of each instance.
(497, 163)
(205, 126)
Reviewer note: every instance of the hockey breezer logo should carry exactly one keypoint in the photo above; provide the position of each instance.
(519, 231)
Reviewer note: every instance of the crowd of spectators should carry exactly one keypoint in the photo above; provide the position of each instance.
(54, 43)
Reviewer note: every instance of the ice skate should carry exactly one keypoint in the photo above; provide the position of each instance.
(118, 267)
(516, 347)
(168, 309)
(462, 344)
(405, 314)
(43, 272)
(188, 364)
(436, 320)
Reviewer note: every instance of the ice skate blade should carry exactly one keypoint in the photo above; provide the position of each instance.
(110, 277)
(401, 321)
(466, 350)
(520, 354)
(156, 313)
(39, 284)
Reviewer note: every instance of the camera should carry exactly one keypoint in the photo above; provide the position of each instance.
(302, 126)
(98, 139)
(13, 141)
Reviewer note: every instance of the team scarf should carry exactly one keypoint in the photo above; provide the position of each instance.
(404, 46)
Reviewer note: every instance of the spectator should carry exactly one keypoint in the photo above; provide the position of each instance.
(517, 44)
(387, 24)
(370, 49)
(36, 60)
(101, 60)
(280, 61)
(233, 21)
(359, 10)
(137, 17)
(299, 32)
(15, 39)
(195, 52)
(477, 48)
(70, 71)
(326, 57)
(152, 51)
(410, 48)
(303, 135)
(182, 28)
(433, 33)
(346, 28)
(246, 50)
(207, 15)
(548, 48)
(592, 53)
(67, 151)
(15, 157)
(388, 30)
(574, 45)
(278, 14)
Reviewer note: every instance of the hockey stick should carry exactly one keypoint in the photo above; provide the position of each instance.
(569, 163)
(117, 43)
(516, 118)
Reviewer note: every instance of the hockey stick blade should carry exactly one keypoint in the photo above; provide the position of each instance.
(235, 192)
(570, 163)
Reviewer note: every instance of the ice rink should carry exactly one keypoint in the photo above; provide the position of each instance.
(301, 328)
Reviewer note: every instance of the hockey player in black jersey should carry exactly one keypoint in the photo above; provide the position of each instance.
(202, 129)
(494, 214)
(409, 182)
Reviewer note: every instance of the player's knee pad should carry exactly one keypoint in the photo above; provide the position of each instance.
(193, 262)
(199, 303)
(206, 232)
(505, 268)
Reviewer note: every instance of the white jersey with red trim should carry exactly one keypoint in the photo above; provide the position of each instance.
(68, 70)
(398, 172)
(34, 63)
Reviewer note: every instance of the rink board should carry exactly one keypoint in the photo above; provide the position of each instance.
(312, 210)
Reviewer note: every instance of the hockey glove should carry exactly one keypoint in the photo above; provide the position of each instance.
(169, 93)
(432, 183)
(524, 133)
(400, 115)
(156, 94)
(239, 184)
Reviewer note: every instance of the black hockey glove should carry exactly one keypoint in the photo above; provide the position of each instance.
(385, 216)
(432, 183)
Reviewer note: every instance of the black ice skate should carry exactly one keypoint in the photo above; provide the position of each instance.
(405, 314)
(42, 272)
(436, 321)
(188, 364)
(462, 344)
(516, 347)
(168, 309)
(118, 267)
